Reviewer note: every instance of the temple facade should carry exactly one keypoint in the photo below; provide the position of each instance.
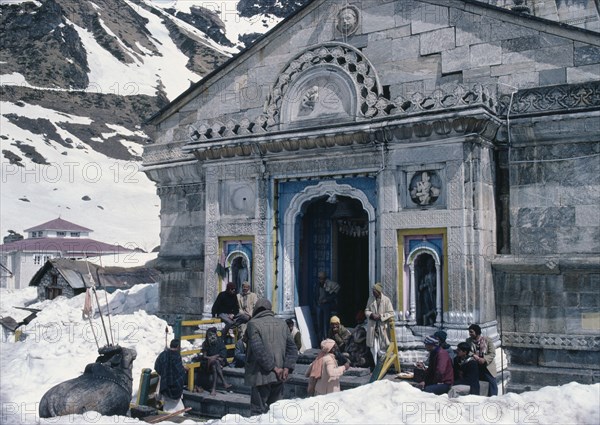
(448, 149)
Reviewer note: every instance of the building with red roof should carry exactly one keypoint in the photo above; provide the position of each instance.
(57, 238)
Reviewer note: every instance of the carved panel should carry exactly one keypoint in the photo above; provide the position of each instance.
(238, 198)
(418, 219)
(216, 229)
(552, 341)
(422, 187)
(425, 188)
(554, 98)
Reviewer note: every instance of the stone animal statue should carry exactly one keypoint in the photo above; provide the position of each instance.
(104, 387)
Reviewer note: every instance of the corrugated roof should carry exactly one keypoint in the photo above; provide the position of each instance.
(60, 225)
(70, 246)
(77, 274)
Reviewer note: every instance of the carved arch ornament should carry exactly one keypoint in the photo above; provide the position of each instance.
(338, 57)
(295, 209)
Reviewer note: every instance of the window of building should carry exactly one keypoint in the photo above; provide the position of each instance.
(75, 234)
(37, 259)
(61, 233)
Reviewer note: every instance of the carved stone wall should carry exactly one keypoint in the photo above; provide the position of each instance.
(227, 216)
(548, 319)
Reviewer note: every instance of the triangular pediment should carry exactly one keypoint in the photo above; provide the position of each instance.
(341, 63)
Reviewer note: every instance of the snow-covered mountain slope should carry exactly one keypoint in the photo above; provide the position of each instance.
(78, 78)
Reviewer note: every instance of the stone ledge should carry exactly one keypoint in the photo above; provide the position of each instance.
(522, 264)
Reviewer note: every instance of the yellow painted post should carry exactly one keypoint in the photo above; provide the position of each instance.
(391, 355)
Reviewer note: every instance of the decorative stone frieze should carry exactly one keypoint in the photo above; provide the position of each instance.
(180, 189)
(356, 134)
(554, 98)
(552, 341)
(168, 153)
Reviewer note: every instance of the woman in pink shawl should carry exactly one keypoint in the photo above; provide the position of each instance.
(324, 373)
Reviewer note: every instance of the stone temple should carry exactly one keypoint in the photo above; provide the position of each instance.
(449, 149)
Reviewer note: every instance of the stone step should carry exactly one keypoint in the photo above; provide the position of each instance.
(238, 400)
(208, 406)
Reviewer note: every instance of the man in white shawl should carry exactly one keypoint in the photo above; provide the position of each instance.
(379, 311)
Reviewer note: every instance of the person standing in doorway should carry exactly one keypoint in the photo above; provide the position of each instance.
(484, 352)
(326, 292)
(296, 335)
(379, 310)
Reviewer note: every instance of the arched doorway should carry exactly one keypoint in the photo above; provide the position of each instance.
(294, 285)
(334, 238)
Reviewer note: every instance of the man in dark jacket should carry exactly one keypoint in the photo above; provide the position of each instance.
(173, 374)
(439, 376)
(466, 371)
(270, 357)
(226, 307)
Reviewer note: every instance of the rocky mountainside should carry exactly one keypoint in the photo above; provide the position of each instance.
(78, 79)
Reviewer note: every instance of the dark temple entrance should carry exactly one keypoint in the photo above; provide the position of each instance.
(334, 238)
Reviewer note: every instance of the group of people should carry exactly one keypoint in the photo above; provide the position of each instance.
(378, 311)
(269, 352)
(458, 373)
(341, 348)
(268, 348)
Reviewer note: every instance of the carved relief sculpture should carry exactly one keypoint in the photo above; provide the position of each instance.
(309, 100)
(423, 191)
(347, 20)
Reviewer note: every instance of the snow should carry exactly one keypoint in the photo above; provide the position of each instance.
(59, 344)
(226, 10)
(129, 204)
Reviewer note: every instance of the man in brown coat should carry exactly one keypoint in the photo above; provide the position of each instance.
(271, 356)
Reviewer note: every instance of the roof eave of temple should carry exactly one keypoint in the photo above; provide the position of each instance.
(479, 121)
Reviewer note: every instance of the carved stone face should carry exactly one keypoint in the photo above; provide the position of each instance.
(347, 20)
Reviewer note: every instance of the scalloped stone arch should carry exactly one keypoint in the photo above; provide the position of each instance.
(295, 209)
(339, 57)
